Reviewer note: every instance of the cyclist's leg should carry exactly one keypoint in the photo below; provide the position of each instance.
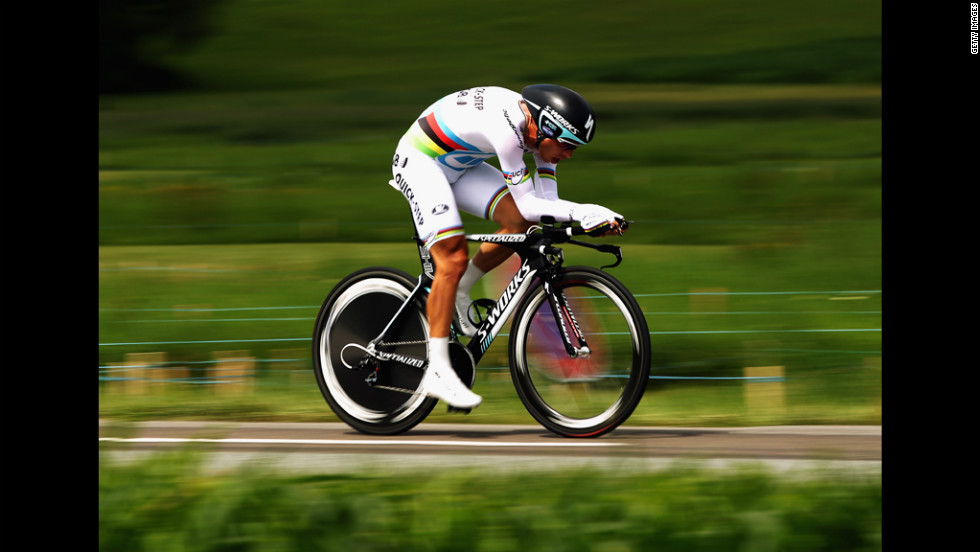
(440, 379)
(450, 256)
(491, 255)
(436, 217)
(430, 197)
(481, 191)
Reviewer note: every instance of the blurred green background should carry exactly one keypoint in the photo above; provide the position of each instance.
(243, 165)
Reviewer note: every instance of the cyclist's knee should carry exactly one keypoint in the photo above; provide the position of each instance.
(451, 257)
(509, 217)
(517, 226)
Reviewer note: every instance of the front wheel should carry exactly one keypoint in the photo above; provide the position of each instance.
(581, 396)
(355, 312)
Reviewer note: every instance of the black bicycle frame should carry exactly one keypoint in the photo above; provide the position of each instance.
(538, 259)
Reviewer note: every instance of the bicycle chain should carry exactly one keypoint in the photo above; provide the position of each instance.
(399, 343)
(398, 389)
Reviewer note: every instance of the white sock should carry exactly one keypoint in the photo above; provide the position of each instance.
(470, 277)
(439, 351)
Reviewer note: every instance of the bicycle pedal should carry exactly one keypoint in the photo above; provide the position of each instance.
(453, 410)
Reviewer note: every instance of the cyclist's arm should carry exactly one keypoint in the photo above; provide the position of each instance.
(531, 200)
(534, 204)
(539, 197)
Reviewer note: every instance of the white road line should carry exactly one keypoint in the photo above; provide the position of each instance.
(162, 440)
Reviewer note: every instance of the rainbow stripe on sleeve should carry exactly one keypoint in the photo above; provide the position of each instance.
(517, 177)
(547, 173)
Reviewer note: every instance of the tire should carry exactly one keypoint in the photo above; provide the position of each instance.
(581, 397)
(355, 312)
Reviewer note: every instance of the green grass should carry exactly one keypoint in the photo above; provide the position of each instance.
(169, 502)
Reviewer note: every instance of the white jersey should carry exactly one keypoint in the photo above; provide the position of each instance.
(468, 127)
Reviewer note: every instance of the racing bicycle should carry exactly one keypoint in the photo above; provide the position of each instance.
(578, 351)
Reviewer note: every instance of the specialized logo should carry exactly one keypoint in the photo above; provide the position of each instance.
(588, 126)
(440, 209)
(411, 361)
(499, 238)
(519, 134)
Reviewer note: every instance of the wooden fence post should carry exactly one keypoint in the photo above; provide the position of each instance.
(233, 372)
(767, 394)
(139, 367)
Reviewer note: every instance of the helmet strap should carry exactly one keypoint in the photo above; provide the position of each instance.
(538, 136)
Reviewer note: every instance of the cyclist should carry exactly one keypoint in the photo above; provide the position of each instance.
(440, 167)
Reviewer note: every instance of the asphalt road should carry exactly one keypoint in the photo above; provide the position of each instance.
(334, 447)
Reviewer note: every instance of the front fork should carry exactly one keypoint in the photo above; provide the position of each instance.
(571, 334)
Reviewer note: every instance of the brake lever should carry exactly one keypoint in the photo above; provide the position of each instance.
(616, 251)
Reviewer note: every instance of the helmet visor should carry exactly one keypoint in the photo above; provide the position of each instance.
(551, 128)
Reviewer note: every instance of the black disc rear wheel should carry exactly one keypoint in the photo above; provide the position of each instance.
(355, 312)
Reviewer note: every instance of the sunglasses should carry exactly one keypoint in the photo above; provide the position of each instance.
(565, 144)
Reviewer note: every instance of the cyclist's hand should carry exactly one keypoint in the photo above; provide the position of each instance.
(611, 228)
(617, 227)
(596, 220)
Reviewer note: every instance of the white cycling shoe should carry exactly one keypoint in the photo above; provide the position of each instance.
(442, 383)
(462, 308)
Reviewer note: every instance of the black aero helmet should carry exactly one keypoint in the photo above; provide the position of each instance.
(560, 113)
